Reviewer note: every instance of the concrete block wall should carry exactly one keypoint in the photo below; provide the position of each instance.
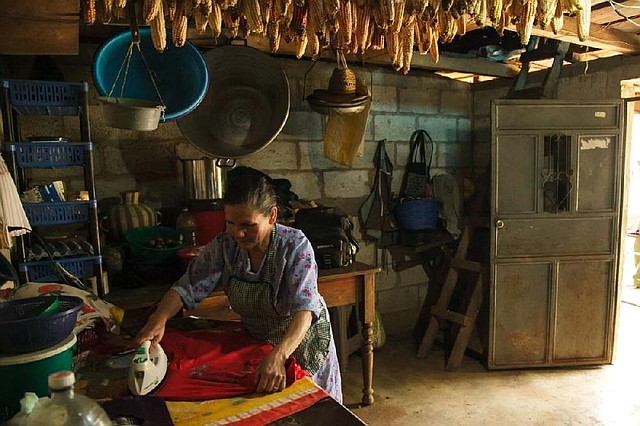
(150, 161)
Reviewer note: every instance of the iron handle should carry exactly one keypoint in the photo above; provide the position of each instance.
(499, 224)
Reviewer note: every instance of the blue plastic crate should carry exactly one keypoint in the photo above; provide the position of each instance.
(45, 270)
(58, 213)
(34, 97)
(47, 155)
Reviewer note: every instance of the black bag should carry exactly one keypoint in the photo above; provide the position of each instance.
(330, 232)
(417, 172)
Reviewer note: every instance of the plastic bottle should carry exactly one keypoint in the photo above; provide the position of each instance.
(66, 408)
(186, 224)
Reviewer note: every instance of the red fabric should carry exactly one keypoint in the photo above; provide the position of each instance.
(211, 364)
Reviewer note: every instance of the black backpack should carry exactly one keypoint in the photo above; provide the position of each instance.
(330, 231)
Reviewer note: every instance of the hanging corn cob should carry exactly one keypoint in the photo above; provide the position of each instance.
(159, 30)
(354, 26)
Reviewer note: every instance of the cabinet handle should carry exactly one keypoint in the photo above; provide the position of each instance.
(499, 224)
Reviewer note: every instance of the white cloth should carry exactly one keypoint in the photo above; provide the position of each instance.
(11, 211)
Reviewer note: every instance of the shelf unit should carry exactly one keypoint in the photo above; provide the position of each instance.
(51, 98)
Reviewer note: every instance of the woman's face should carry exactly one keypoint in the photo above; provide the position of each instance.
(250, 228)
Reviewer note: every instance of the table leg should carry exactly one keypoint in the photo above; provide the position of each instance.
(367, 363)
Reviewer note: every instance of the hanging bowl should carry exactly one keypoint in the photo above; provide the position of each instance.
(180, 73)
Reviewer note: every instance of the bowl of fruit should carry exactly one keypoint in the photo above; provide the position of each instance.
(154, 243)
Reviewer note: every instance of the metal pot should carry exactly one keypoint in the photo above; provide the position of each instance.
(246, 105)
(204, 178)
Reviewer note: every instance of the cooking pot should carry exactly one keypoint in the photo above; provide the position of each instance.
(204, 178)
(246, 105)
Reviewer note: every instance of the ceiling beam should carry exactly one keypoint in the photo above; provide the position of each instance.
(448, 61)
(600, 37)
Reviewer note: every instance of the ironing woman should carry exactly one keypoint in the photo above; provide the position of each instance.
(269, 274)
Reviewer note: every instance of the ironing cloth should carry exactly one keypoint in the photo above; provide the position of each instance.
(210, 364)
(12, 213)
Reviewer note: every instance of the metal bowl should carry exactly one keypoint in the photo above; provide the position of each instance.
(246, 106)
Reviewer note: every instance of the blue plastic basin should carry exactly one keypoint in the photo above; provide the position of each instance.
(181, 73)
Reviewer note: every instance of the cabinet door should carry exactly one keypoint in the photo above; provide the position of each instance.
(555, 206)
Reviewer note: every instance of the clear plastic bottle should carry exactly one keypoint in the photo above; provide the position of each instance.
(66, 408)
(186, 224)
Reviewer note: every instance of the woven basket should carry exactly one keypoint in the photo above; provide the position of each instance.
(417, 214)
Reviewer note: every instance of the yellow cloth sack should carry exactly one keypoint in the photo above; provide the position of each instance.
(344, 137)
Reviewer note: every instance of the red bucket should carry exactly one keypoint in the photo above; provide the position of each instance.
(210, 223)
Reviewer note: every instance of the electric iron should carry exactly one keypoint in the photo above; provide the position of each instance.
(148, 368)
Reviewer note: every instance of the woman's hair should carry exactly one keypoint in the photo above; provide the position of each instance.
(253, 190)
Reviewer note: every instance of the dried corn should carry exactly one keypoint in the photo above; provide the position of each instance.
(179, 24)
(89, 11)
(200, 20)
(273, 33)
(251, 11)
(301, 46)
(107, 14)
(583, 16)
(215, 20)
(159, 31)
(407, 34)
(150, 9)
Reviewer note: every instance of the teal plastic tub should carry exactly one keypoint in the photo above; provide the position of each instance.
(29, 373)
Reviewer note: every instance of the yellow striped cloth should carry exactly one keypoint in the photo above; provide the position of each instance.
(254, 409)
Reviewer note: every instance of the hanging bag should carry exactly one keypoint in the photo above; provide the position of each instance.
(417, 173)
(375, 213)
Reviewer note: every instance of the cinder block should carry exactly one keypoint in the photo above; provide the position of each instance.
(441, 129)
(113, 161)
(346, 184)
(481, 101)
(452, 155)
(303, 126)
(482, 129)
(312, 157)
(112, 186)
(418, 101)
(366, 160)
(385, 98)
(464, 130)
(455, 102)
(397, 127)
(398, 299)
(386, 280)
(412, 276)
(278, 155)
(305, 184)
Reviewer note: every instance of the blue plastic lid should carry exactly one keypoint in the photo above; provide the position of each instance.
(181, 73)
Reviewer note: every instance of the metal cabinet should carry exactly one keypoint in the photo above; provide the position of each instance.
(556, 190)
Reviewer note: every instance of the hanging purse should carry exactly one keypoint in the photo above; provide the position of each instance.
(416, 179)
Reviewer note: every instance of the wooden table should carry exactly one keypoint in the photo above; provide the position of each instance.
(353, 284)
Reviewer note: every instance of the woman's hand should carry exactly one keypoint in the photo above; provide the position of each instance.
(153, 330)
(271, 375)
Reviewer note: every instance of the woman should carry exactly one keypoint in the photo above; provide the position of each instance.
(269, 274)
